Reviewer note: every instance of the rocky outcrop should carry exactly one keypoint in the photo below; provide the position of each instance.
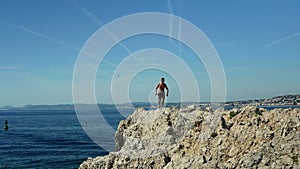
(247, 137)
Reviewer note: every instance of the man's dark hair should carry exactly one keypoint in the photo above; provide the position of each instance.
(162, 79)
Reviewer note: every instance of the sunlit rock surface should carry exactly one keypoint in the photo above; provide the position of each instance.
(246, 137)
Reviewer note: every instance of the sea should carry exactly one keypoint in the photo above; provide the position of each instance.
(47, 139)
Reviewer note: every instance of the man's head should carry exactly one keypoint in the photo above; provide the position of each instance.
(162, 79)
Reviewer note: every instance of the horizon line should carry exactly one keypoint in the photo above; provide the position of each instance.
(134, 102)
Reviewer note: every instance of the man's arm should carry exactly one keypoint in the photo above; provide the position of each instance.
(167, 90)
(156, 89)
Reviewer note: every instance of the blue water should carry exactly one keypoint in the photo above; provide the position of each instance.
(47, 139)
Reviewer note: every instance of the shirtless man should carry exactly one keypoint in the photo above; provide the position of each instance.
(160, 92)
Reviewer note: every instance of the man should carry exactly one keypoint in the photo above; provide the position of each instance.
(160, 92)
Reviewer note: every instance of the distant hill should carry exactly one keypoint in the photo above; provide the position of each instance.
(274, 101)
(40, 107)
(285, 100)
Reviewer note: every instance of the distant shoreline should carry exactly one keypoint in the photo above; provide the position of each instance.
(278, 101)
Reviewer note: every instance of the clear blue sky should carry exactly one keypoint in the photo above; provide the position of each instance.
(258, 43)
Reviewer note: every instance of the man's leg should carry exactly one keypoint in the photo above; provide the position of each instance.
(163, 101)
(159, 100)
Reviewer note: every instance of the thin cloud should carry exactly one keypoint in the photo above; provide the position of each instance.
(48, 38)
(40, 35)
(170, 9)
(280, 40)
(179, 35)
(93, 17)
(10, 68)
(171, 12)
(226, 43)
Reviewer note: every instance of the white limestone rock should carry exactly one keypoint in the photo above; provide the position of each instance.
(240, 138)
